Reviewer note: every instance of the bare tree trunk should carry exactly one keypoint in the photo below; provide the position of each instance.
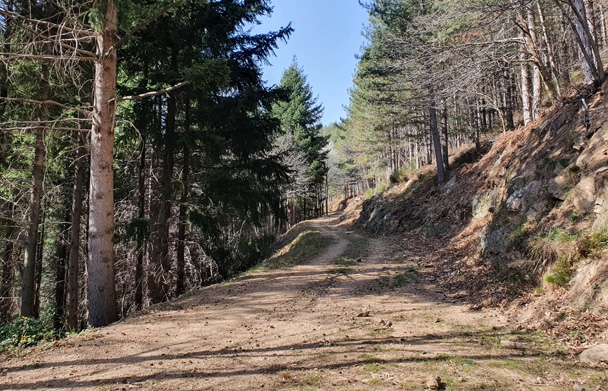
(446, 139)
(4, 80)
(327, 194)
(60, 272)
(141, 215)
(74, 257)
(435, 134)
(581, 23)
(183, 225)
(476, 125)
(603, 26)
(537, 79)
(525, 84)
(8, 277)
(550, 52)
(532, 53)
(162, 263)
(509, 87)
(101, 290)
(590, 9)
(38, 265)
(8, 273)
(28, 290)
(592, 65)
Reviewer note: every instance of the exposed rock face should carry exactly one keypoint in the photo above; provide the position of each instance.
(600, 209)
(486, 204)
(595, 355)
(536, 210)
(493, 240)
(583, 195)
(558, 187)
(521, 200)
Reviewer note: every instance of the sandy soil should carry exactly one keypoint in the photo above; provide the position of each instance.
(374, 323)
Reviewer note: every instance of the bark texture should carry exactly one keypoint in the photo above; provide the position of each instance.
(101, 290)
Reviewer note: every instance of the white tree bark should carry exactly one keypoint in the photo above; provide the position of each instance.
(537, 80)
(525, 84)
(593, 68)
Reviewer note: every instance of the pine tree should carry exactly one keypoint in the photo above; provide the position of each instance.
(300, 115)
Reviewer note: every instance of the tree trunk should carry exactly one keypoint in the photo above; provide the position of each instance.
(537, 95)
(4, 80)
(60, 272)
(183, 225)
(603, 26)
(162, 264)
(8, 277)
(538, 70)
(8, 274)
(435, 134)
(141, 242)
(550, 52)
(101, 290)
(590, 9)
(74, 257)
(446, 139)
(28, 290)
(525, 84)
(529, 36)
(592, 65)
(508, 100)
(327, 194)
(38, 265)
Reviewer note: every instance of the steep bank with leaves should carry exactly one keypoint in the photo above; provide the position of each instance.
(523, 223)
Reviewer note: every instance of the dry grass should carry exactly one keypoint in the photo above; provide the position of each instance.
(307, 244)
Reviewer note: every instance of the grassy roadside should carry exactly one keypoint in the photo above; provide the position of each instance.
(299, 245)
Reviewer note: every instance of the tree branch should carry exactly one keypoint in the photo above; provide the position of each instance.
(63, 129)
(61, 43)
(45, 102)
(44, 57)
(153, 93)
(13, 16)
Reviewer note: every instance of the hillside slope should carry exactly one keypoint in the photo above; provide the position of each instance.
(522, 223)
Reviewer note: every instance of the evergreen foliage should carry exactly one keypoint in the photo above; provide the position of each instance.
(435, 75)
(197, 178)
(299, 116)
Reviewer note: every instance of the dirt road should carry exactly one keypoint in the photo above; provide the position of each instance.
(368, 321)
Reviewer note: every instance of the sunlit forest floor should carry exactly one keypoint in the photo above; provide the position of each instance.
(365, 314)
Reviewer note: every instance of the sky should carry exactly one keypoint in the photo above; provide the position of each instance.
(326, 39)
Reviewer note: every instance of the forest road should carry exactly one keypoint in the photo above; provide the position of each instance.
(363, 315)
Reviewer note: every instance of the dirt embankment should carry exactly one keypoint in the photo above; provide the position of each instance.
(521, 224)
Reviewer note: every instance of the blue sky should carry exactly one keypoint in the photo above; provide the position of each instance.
(326, 39)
